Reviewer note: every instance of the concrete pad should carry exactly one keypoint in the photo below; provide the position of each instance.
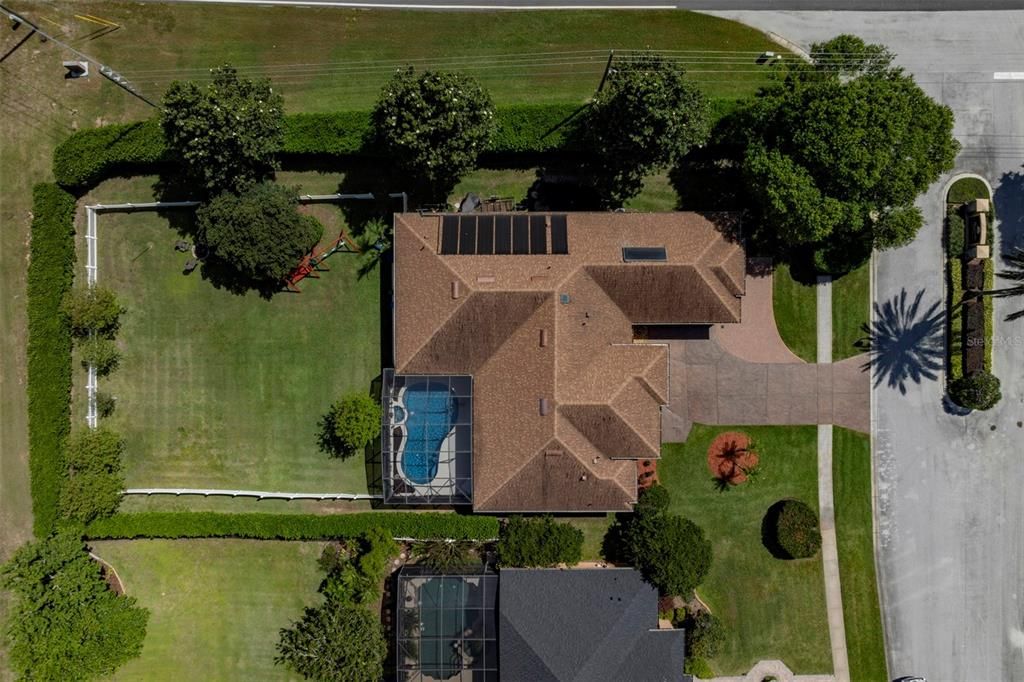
(742, 409)
(741, 378)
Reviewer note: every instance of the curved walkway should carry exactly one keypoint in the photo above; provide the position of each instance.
(778, 670)
(756, 338)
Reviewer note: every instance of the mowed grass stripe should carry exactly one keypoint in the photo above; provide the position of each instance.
(221, 390)
(851, 465)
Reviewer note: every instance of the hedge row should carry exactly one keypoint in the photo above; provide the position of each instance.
(50, 273)
(90, 156)
(172, 525)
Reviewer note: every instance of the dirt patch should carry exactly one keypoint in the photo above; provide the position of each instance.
(730, 456)
(109, 575)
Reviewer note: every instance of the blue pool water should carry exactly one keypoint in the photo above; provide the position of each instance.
(430, 411)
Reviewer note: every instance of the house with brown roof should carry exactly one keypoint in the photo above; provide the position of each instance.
(521, 380)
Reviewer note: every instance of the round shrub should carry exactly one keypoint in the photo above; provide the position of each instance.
(705, 635)
(977, 391)
(351, 424)
(101, 353)
(791, 530)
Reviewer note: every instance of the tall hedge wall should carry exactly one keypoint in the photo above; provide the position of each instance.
(422, 525)
(90, 156)
(50, 272)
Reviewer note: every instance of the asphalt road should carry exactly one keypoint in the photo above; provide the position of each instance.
(950, 487)
(715, 5)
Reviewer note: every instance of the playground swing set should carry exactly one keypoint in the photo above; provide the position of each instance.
(313, 262)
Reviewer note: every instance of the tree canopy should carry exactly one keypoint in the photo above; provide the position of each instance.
(343, 640)
(671, 551)
(352, 423)
(645, 119)
(434, 126)
(259, 234)
(838, 150)
(94, 481)
(66, 624)
(92, 309)
(226, 132)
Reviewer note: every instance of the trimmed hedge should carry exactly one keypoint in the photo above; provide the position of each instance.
(539, 542)
(89, 156)
(173, 525)
(50, 273)
(797, 529)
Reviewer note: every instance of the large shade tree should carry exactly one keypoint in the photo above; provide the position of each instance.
(66, 623)
(433, 125)
(260, 235)
(225, 131)
(838, 150)
(646, 118)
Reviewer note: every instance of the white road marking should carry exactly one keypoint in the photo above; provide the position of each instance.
(1008, 75)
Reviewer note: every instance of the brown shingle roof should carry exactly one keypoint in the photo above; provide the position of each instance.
(485, 315)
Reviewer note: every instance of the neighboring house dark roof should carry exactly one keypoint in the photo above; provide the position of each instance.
(583, 625)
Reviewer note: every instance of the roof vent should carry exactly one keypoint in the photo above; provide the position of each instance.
(563, 299)
(545, 407)
(543, 338)
(456, 289)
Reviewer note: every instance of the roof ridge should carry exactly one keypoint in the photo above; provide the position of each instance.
(611, 407)
(715, 284)
(620, 632)
(444, 264)
(611, 404)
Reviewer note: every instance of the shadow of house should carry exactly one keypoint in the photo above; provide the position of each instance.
(905, 341)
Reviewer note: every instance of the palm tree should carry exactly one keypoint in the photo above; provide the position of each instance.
(373, 242)
(1014, 262)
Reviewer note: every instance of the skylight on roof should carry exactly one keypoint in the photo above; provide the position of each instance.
(644, 253)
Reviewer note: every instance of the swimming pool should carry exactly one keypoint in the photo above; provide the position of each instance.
(430, 411)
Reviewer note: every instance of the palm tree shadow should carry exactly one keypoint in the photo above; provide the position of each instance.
(904, 342)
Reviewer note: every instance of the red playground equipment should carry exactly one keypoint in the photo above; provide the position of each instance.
(312, 262)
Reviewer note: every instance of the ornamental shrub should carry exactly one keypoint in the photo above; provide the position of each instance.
(350, 425)
(227, 132)
(955, 242)
(94, 481)
(100, 353)
(52, 258)
(977, 391)
(92, 310)
(797, 531)
(705, 635)
(433, 126)
(539, 542)
(671, 551)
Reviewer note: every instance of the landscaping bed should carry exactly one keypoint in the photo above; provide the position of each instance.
(969, 313)
(771, 608)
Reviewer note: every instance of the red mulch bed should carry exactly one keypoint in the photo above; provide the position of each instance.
(728, 456)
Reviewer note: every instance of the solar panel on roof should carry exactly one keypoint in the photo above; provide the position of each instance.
(520, 234)
(485, 235)
(502, 234)
(559, 235)
(648, 253)
(467, 235)
(449, 234)
(538, 234)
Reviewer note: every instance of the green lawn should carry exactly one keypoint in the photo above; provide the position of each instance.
(594, 529)
(796, 308)
(966, 189)
(223, 390)
(851, 308)
(215, 605)
(332, 58)
(772, 608)
(851, 472)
